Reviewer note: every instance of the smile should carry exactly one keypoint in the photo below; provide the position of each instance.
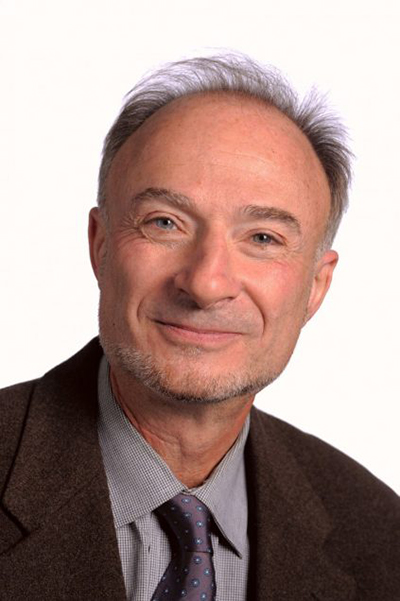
(195, 335)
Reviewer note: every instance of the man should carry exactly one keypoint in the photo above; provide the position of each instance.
(219, 199)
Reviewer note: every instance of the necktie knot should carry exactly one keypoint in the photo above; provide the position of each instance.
(190, 521)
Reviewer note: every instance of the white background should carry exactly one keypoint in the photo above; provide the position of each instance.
(65, 67)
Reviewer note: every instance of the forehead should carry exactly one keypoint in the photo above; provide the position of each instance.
(236, 147)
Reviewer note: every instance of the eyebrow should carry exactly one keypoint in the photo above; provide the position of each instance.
(181, 201)
(174, 198)
(274, 213)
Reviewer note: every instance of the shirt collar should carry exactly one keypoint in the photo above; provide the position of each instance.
(140, 481)
(224, 493)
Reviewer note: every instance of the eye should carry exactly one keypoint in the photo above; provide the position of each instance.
(263, 239)
(164, 223)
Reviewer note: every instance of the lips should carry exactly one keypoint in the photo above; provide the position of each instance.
(187, 334)
(205, 331)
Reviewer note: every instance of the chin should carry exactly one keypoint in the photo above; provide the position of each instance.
(184, 381)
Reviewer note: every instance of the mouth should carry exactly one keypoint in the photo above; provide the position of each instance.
(194, 335)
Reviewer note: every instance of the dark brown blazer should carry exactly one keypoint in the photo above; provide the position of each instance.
(321, 527)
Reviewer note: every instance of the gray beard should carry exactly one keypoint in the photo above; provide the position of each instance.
(188, 390)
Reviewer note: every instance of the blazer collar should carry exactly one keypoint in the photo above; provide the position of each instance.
(288, 525)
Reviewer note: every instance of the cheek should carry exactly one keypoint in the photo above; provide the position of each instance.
(282, 293)
(130, 277)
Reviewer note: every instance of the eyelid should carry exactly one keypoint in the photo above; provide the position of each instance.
(276, 238)
(160, 215)
(177, 225)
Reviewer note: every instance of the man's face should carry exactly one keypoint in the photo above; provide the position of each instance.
(208, 267)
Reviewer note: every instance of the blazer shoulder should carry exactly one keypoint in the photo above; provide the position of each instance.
(22, 390)
(14, 401)
(327, 467)
(79, 371)
(14, 404)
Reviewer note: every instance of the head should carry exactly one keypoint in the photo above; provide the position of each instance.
(219, 196)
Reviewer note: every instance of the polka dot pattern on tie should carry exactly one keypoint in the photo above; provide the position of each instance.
(190, 575)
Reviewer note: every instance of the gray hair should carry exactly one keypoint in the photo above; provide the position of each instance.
(240, 75)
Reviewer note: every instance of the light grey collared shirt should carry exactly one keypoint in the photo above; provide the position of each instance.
(139, 481)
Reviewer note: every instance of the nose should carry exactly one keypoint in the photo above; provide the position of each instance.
(208, 275)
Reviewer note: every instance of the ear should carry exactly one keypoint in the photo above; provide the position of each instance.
(97, 240)
(321, 282)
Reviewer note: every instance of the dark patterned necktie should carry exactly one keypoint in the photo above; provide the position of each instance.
(190, 575)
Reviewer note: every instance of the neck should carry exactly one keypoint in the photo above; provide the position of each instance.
(191, 439)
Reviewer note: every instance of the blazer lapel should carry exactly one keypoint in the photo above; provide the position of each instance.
(288, 526)
(60, 527)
